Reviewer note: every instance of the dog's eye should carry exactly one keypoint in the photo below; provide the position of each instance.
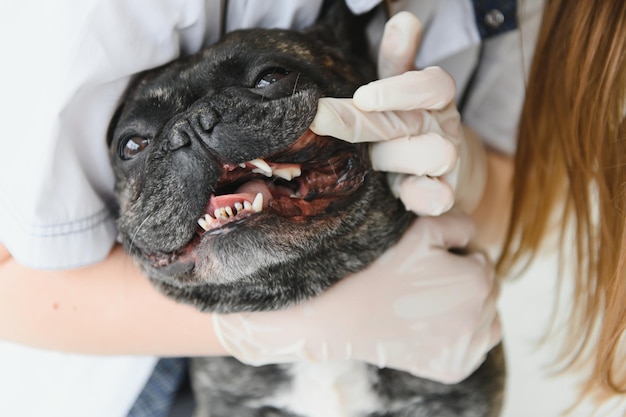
(132, 146)
(270, 77)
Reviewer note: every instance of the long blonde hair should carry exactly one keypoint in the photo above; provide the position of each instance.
(572, 146)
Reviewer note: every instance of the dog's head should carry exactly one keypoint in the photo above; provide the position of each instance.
(226, 198)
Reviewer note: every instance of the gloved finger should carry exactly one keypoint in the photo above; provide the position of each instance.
(398, 48)
(496, 333)
(341, 119)
(427, 154)
(489, 331)
(487, 335)
(451, 230)
(422, 195)
(431, 88)
(484, 340)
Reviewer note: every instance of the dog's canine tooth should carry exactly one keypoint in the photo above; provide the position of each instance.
(257, 204)
(242, 165)
(203, 223)
(260, 171)
(238, 207)
(247, 205)
(287, 173)
(263, 167)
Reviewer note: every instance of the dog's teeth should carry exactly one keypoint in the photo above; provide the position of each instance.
(238, 207)
(247, 205)
(257, 204)
(260, 171)
(242, 165)
(262, 167)
(229, 211)
(208, 218)
(203, 224)
(287, 173)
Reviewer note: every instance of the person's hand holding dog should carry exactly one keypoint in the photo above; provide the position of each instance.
(419, 308)
(414, 126)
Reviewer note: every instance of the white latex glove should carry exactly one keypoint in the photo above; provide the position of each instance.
(419, 309)
(415, 126)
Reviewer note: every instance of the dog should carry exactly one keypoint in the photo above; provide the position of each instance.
(230, 203)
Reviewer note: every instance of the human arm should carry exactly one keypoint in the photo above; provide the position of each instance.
(106, 308)
(491, 216)
(110, 308)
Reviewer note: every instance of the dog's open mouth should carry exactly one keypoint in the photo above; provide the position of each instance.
(316, 175)
(304, 180)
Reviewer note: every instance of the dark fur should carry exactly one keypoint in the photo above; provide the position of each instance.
(204, 112)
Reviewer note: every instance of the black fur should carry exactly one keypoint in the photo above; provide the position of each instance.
(203, 116)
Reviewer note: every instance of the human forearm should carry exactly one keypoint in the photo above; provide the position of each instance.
(473, 171)
(108, 308)
(491, 216)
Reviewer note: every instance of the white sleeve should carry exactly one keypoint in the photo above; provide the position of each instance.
(66, 64)
(70, 61)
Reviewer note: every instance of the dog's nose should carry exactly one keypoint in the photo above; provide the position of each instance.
(179, 135)
(197, 122)
(203, 119)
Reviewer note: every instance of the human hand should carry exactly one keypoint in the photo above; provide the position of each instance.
(419, 308)
(416, 130)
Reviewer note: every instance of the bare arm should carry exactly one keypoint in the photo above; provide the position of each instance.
(108, 308)
(491, 215)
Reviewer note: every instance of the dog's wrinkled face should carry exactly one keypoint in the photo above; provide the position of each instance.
(227, 199)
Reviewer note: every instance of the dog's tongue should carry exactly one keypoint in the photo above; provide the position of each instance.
(247, 192)
(252, 188)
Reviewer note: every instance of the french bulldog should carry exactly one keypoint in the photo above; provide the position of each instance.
(229, 202)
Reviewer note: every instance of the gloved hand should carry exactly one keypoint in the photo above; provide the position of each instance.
(418, 308)
(415, 126)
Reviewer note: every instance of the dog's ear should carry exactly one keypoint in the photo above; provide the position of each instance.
(337, 26)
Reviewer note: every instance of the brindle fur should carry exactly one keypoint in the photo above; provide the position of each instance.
(203, 110)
